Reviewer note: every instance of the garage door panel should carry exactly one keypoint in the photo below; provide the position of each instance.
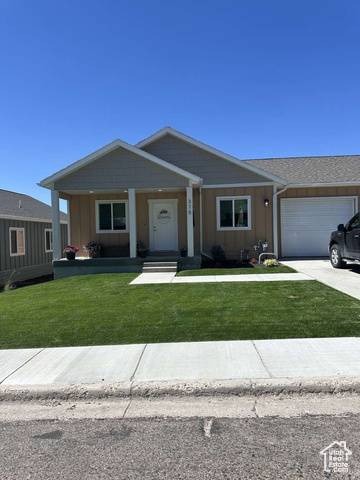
(306, 223)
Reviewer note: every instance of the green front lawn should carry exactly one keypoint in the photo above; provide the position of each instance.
(104, 309)
(235, 271)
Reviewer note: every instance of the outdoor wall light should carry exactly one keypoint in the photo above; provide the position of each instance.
(266, 202)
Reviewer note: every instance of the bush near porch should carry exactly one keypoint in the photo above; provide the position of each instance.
(105, 309)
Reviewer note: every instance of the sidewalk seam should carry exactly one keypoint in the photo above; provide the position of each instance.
(137, 366)
(261, 359)
(27, 361)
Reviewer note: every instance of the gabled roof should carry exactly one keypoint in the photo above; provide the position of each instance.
(307, 171)
(47, 182)
(168, 130)
(20, 206)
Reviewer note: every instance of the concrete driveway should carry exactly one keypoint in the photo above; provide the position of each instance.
(345, 280)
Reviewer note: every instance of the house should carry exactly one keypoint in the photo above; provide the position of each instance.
(172, 191)
(26, 248)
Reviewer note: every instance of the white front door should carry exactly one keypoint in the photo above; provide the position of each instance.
(163, 224)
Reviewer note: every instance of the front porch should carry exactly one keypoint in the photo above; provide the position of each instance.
(85, 266)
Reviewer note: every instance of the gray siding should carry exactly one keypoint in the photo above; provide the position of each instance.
(35, 255)
(120, 169)
(214, 170)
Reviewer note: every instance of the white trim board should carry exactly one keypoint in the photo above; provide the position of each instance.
(48, 181)
(319, 185)
(242, 185)
(27, 219)
(168, 130)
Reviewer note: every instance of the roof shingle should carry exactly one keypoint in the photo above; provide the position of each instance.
(306, 170)
(19, 205)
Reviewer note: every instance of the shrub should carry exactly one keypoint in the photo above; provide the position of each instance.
(271, 262)
(218, 254)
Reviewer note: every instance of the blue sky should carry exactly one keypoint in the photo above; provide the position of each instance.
(254, 78)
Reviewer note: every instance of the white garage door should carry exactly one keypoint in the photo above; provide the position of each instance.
(306, 223)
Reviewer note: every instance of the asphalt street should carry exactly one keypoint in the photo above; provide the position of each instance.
(176, 448)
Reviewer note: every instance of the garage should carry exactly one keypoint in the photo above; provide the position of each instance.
(306, 223)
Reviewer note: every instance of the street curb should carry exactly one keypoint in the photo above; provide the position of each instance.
(244, 387)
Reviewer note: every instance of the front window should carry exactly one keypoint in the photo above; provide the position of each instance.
(17, 241)
(111, 216)
(233, 213)
(48, 240)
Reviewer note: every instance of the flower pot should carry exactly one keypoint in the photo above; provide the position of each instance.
(70, 255)
(95, 254)
(142, 254)
(183, 253)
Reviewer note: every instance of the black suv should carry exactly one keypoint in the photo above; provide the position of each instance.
(345, 243)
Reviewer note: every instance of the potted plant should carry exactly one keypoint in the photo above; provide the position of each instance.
(70, 252)
(93, 248)
(183, 252)
(142, 250)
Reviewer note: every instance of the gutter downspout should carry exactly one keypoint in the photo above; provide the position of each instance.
(275, 218)
(201, 224)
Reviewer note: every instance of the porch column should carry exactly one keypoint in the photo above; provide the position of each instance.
(56, 224)
(190, 221)
(132, 222)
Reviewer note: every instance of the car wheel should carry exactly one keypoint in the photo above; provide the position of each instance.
(335, 257)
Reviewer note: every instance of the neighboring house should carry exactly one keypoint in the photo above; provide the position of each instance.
(26, 237)
(172, 191)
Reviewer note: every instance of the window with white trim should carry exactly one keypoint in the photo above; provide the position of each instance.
(111, 216)
(17, 241)
(48, 240)
(233, 213)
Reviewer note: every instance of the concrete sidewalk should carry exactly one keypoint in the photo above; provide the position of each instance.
(153, 367)
(345, 280)
(152, 278)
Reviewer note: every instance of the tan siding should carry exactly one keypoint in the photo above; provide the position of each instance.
(213, 169)
(314, 192)
(120, 169)
(83, 229)
(235, 241)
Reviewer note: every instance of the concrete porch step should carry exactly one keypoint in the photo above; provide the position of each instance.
(160, 264)
(156, 267)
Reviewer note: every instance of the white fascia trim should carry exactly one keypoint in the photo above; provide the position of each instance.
(212, 150)
(109, 148)
(27, 219)
(317, 185)
(235, 185)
